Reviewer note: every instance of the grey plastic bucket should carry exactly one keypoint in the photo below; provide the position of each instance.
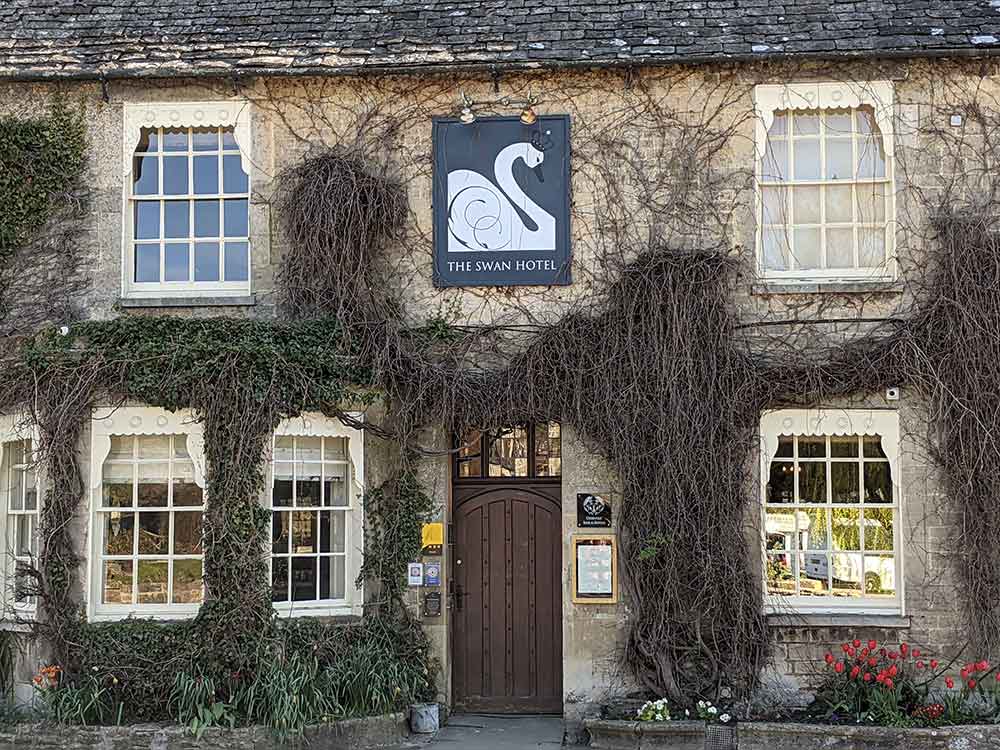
(424, 718)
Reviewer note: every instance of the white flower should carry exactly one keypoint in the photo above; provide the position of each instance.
(725, 718)
(701, 704)
(687, 713)
(713, 710)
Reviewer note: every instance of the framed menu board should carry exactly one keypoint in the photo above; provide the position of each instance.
(595, 569)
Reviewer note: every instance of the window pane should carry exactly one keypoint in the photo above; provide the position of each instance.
(786, 447)
(839, 159)
(469, 459)
(806, 124)
(187, 533)
(188, 586)
(154, 446)
(282, 493)
(846, 529)
(303, 579)
(812, 483)
(284, 449)
(147, 263)
(154, 534)
(871, 203)
(206, 175)
(775, 163)
(175, 139)
(813, 574)
(147, 220)
(334, 449)
(176, 260)
(873, 447)
(117, 485)
(837, 122)
(176, 215)
(121, 446)
(812, 447)
(234, 179)
(840, 248)
(205, 139)
(175, 175)
(878, 529)
(880, 576)
(807, 248)
(16, 490)
(280, 533)
(332, 575)
(812, 529)
(206, 218)
(776, 250)
(279, 580)
(779, 525)
(229, 141)
(146, 176)
(30, 480)
(237, 261)
(118, 533)
(806, 153)
(847, 575)
(780, 577)
(844, 446)
(335, 484)
(864, 120)
(332, 531)
(149, 140)
(307, 484)
(871, 252)
(805, 202)
(153, 490)
(24, 544)
(846, 482)
(153, 581)
(775, 200)
(878, 483)
(548, 449)
(838, 203)
(117, 585)
(780, 487)
(206, 261)
(236, 217)
(509, 453)
(304, 527)
(871, 159)
(187, 493)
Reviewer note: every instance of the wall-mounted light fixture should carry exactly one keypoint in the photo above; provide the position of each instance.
(468, 107)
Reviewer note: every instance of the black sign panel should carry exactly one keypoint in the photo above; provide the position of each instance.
(432, 604)
(501, 202)
(593, 511)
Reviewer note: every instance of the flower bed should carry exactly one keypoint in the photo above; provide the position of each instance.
(369, 732)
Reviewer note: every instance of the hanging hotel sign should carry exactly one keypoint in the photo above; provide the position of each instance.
(501, 202)
(595, 569)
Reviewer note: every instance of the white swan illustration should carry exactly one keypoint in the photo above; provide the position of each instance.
(480, 217)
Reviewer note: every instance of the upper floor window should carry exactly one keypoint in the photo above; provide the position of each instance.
(316, 472)
(189, 207)
(825, 176)
(19, 487)
(831, 510)
(148, 514)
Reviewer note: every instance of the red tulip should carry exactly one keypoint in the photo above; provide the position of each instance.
(983, 665)
(856, 643)
(846, 647)
(829, 658)
(867, 677)
(872, 645)
(920, 665)
(893, 671)
(872, 662)
(972, 684)
(904, 648)
(893, 655)
(934, 663)
(916, 653)
(949, 683)
(888, 683)
(839, 667)
(855, 671)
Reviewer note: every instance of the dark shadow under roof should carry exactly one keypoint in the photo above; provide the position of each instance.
(115, 38)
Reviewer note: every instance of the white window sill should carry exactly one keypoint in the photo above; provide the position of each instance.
(770, 286)
(179, 612)
(837, 620)
(243, 300)
(317, 609)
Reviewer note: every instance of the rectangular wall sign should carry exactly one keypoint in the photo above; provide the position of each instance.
(415, 574)
(593, 511)
(595, 569)
(501, 202)
(432, 573)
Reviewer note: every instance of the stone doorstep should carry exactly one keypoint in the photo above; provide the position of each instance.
(389, 730)
(690, 735)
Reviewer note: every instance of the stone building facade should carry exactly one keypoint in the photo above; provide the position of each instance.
(799, 92)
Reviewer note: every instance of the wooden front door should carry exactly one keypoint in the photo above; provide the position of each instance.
(507, 637)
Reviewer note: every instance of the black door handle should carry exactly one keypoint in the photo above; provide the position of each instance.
(459, 595)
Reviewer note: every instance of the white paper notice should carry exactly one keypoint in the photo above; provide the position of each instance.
(593, 570)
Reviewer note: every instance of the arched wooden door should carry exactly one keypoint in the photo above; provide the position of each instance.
(507, 636)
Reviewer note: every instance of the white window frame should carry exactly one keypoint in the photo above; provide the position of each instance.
(318, 425)
(883, 423)
(13, 428)
(133, 422)
(770, 99)
(233, 114)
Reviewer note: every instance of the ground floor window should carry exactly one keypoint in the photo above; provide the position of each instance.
(522, 451)
(831, 510)
(19, 485)
(314, 499)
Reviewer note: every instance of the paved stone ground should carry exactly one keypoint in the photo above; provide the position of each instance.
(478, 732)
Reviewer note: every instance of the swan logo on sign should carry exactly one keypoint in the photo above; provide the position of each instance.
(501, 202)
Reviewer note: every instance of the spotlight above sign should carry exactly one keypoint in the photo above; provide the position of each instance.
(501, 200)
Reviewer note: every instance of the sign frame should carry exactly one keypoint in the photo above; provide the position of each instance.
(590, 540)
(560, 271)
